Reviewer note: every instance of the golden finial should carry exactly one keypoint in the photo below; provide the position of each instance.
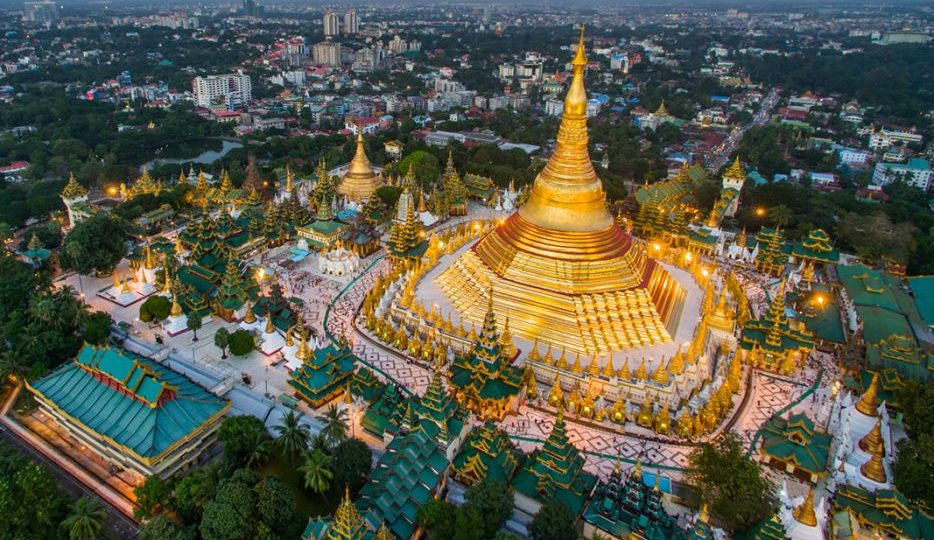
(874, 468)
(869, 403)
(661, 374)
(576, 367)
(176, 310)
(249, 317)
(641, 372)
(563, 360)
(624, 372)
(608, 369)
(872, 442)
(804, 514)
(288, 337)
(549, 359)
(704, 514)
(270, 326)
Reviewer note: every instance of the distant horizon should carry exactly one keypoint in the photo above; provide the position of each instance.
(523, 4)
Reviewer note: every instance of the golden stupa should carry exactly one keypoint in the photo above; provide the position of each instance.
(360, 181)
(560, 267)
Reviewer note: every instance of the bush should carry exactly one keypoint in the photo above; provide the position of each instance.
(241, 343)
(154, 308)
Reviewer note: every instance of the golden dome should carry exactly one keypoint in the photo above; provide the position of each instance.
(561, 266)
(359, 182)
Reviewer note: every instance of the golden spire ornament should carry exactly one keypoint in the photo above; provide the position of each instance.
(869, 403)
(804, 514)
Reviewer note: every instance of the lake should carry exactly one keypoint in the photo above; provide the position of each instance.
(205, 158)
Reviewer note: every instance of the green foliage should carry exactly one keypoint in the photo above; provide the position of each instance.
(249, 506)
(876, 239)
(31, 503)
(193, 322)
(316, 471)
(424, 164)
(438, 517)
(389, 195)
(96, 244)
(242, 436)
(162, 528)
(156, 307)
(194, 491)
(335, 425)
(221, 340)
(292, 436)
(554, 521)
(738, 495)
(353, 461)
(151, 497)
(914, 462)
(86, 520)
(241, 343)
(97, 327)
(494, 501)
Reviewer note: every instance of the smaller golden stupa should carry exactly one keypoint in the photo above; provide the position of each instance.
(360, 181)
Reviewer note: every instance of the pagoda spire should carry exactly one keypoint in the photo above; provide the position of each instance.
(874, 468)
(869, 403)
(736, 170)
(347, 523)
(804, 514)
(872, 442)
(567, 194)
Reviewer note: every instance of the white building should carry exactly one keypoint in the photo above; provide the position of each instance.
(234, 90)
(327, 53)
(851, 156)
(351, 23)
(916, 172)
(884, 138)
(331, 23)
(295, 52)
(554, 107)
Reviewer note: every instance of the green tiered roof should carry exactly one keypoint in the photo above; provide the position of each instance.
(408, 475)
(233, 291)
(621, 507)
(283, 315)
(386, 412)
(890, 320)
(365, 384)
(796, 441)
(886, 510)
(436, 413)
(922, 289)
(485, 375)
(134, 404)
(771, 257)
(700, 530)
(455, 191)
(405, 239)
(816, 247)
(555, 472)
(487, 453)
(324, 373)
(479, 187)
(770, 529)
(774, 333)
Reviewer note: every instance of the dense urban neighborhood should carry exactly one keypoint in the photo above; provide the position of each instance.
(466, 271)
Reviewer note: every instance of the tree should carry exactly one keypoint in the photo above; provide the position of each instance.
(151, 497)
(155, 308)
(100, 243)
(97, 327)
(914, 462)
(162, 528)
(31, 502)
(738, 495)
(438, 517)
(292, 436)
(494, 500)
(875, 238)
(241, 343)
(13, 365)
(335, 424)
(424, 164)
(86, 520)
(781, 215)
(193, 322)
(316, 472)
(231, 513)
(6, 232)
(353, 461)
(245, 440)
(193, 492)
(554, 521)
(221, 339)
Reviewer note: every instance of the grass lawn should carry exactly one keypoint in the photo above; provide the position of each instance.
(308, 502)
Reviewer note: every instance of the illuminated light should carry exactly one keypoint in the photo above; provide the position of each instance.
(760, 211)
(688, 257)
(656, 247)
(704, 272)
(820, 299)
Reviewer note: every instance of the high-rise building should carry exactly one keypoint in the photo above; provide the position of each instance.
(40, 11)
(331, 23)
(233, 90)
(351, 23)
(295, 52)
(327, 53)
(251, 8)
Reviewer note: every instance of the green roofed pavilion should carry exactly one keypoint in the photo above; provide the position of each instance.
(886, 511)
(133, 411)
(487, 453)
(795, 446)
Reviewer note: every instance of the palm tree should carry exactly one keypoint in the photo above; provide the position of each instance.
(781, 215)
(335, 424)
(292, 438)
(12, 365)
(260, 448)
(316, 471)
(86, 520)
(43, 310)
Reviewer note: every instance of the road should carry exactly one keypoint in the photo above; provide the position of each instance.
(722, 152)
(117, 523)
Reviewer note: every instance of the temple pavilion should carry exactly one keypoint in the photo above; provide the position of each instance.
(774, 341)
(561, 266)
(554, 472)
(326, 230)
(454, 190)
(131, 411)
(407, 237)
(487, 453)
(862, 513)
(627, 508)
(324, 372)
(794, 445)
(815, 248)
(769, 252)
(484, 379)
(347, 524)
